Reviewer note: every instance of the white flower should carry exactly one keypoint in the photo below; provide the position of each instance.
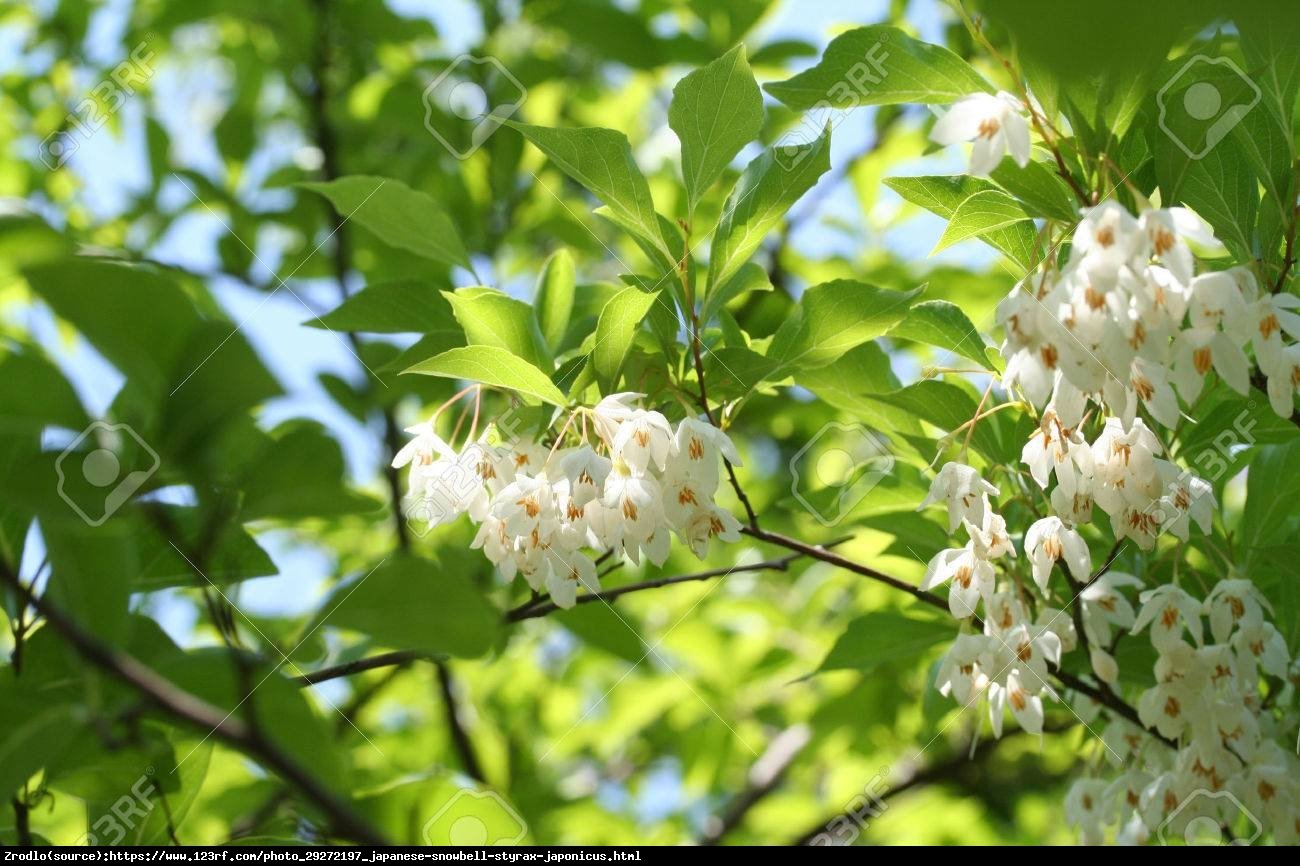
(1168, 609)
(960, 674)
(971, 576)
(1196, 350)
(568, 570)
(707, 524)
(1186, 498)
(1025, 705)
(695, 450)
(1270, 316)
(586, 472)
(1283, 380)
(424, 449)
(1107, 239)
(1235, 604)
(683, 493)
(526, 506)
(1263, 645)
(644, 439)
(1049, 541)
(1168, 231)
(611, 412)
(996, 124)
(1103, 665)
(1085, 808)
(637, 498)
(1216, 301)
(1105, 606)
(1057, 449)
(1150, 382)
(990, 540)
(965, 492)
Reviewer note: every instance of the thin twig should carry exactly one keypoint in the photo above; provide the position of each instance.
(347, 669)
(459, 736)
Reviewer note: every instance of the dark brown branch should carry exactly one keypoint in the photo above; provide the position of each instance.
(22, 824)
(459, 736)
(347, 669)
(952, 769)
(541, 607)
(823, 553)
(765, 776)
(189, 708)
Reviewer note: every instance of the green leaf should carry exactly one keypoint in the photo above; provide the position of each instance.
(765, 192)
(602, 161)
(734, 371)
(411, 603)
(1038, 187)
(749, 277)
(834, 317)
(942, 324)
(715, 112)
(980, 214)
(942, 195)
(847, 382)
(298, 472)
(405, 306)
(886, 636)
(615, 330)
(947, 407)
(34, 394)
(1272, 486)
(880, 65)
(492, 318)
(396, 214)
(554, 297)
(490, 365)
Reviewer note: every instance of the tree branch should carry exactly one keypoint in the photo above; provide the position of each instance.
(765, 776)
(347, 669)
(459, 737)
(822, 552)
(541, 607)
(189, 708)
(952, 769)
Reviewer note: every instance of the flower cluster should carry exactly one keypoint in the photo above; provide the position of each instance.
(541, 509)
(1129, 320)
(1227, 765)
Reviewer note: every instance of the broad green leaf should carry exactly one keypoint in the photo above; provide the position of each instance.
(942, 324)
(715, 112)
(492, 318)
(1272, 486)
(734, 371)
(1058, 53)
(1039, 188)
(298, 472)
(980, 214)
(886, 636)
(602, 626)
(406, 602)
(847, 382)
(437, 810)
(943, 194)
(946, 406)
(35, 394)
(396, 214)
(392, 307)
(554, 297)
(880, 65)
(774, 181)
(602, 161)
(490, 365)
(834, 317)
(749, 277)
(615, 330)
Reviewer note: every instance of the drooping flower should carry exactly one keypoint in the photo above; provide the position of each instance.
(997, 124)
